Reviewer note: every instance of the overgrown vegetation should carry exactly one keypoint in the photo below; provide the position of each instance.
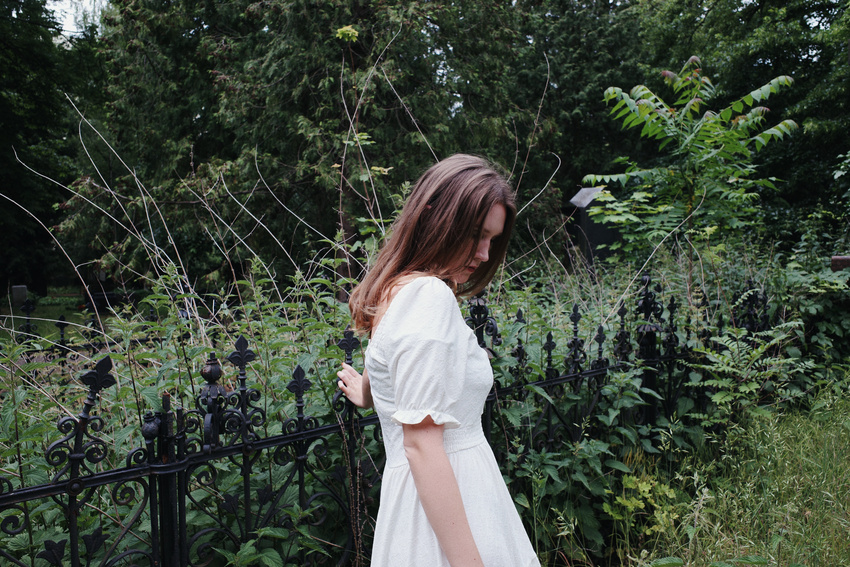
(606, 496)
(775, 494)
(234, 131)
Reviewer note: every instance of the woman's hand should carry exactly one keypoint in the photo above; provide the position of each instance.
(355, 386)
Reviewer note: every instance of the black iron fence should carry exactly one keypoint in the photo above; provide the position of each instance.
(208, 487)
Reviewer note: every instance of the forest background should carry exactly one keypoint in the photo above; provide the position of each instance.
(183, 141)
(212, 105)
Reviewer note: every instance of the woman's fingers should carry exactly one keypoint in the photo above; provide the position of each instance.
(355, 386)
(347, 377)
(347, 373)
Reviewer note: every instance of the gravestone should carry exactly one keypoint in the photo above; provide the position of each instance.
(840, 263)
(19, 295)
(591, 235)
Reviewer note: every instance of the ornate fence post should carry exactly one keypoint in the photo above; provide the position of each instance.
(481, 323)
(622, 339)
(150, 433)
(211, 403)
(649, 308)
(241, 421)
(78, 449)
(28, 328)
(166, 513)
(168, 485)
(349, 419)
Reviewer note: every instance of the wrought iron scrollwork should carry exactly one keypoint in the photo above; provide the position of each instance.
(575, 353)
(480, 321)
(76, 453)
(601, 361)
(220, 412)
(649, 308)
(301, 422)
(291, 479)
(622, 340)
(521, 371)
(79, 448)
(549, 347)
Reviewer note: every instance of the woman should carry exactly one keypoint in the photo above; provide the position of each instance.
(443, 500)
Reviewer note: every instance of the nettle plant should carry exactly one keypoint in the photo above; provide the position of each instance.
(707, 181)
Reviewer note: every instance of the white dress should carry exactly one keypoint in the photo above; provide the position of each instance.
(424, 360)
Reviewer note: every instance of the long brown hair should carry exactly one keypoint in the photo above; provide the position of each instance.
(444, 212)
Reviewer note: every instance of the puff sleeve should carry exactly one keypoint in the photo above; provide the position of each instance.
(425, 353)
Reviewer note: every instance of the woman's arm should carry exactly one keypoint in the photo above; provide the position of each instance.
(355, 386)
(439, 492)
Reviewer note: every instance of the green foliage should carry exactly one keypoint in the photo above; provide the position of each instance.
(749, 43)
(841, 171)
(771, 497)
(568, 498)
(606, 488)
(250, 553)
(804, 283)
(706, 184)
(39, 67)
(566, 53)
(643, 507)
(748, 370)
(165, 356)
(261, 118)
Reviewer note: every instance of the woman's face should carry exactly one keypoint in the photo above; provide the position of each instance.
(494, 224)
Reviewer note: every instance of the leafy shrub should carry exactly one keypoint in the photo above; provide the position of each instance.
(706, 184)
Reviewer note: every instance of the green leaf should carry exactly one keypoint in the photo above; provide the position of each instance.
(628, 433)
(667, 562)
(229, 555)
(151, 396)
(647, 446)
(579, 476)
(617, 465)
(270, 557)
(277, 533)
(522, 500)
(540, 392)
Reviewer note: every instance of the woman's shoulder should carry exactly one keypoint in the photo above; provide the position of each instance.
(416, 299)
(418, 293)
(421, 284)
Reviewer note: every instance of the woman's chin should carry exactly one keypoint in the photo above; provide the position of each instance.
(461, 278)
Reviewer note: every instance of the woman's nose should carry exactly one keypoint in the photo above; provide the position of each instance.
(483, 252)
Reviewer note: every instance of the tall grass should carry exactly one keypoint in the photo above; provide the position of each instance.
(781, 491)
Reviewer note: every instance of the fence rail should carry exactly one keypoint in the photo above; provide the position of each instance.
(206, 482)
